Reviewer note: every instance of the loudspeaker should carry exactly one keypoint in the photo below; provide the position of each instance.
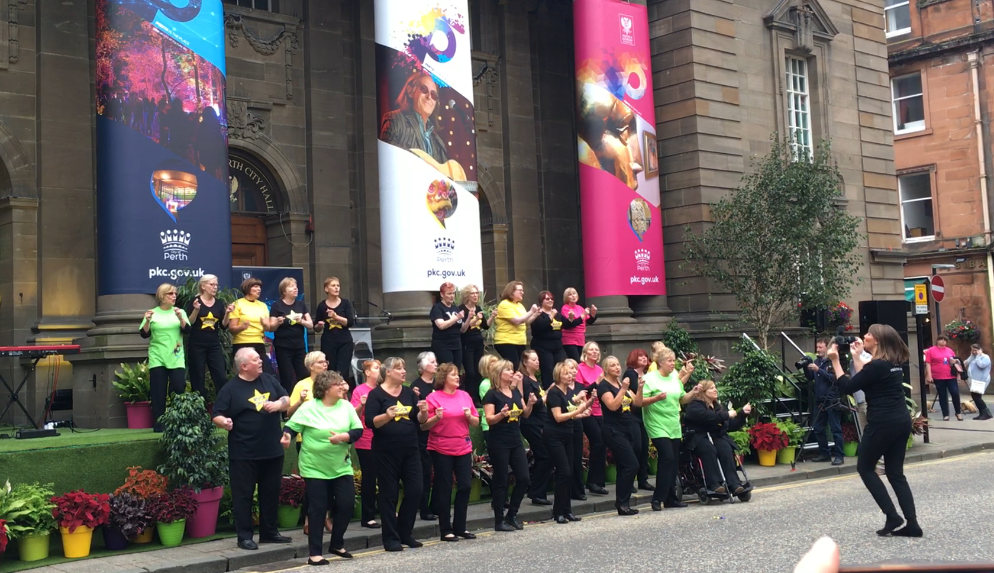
(890, 312)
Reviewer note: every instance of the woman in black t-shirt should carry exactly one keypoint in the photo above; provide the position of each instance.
(547, 336)
(504, 407)
(616, 396)
(637, 363)
(558, 436)
(888, 423)
(208, 316)
(531, 429)
(472, 338)
(395, 414)
(422, 386)
(447, 326)
(288, 338)
(335, 317)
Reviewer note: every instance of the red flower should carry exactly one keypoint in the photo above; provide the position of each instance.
(3, 535)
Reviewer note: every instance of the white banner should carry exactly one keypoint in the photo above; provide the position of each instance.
(429, 209)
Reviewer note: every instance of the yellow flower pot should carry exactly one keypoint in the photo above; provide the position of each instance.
(146, 535)
(767, 458)
(76, 544)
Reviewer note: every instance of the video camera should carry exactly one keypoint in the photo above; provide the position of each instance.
(841, 339)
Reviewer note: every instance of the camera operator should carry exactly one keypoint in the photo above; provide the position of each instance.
(827, 406)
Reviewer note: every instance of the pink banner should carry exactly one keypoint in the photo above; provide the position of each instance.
(619, 167)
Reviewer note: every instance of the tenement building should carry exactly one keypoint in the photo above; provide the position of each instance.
(397, 145)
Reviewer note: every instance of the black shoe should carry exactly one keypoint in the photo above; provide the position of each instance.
(647, 486)
(429, 517)
(625, 510)
(466, 535)
(340, 553)
(597, 490)
(891, 524)
(656, 506)
(393, 547)
(635, 490)
(579, 497)
(319, 563)
(247, 544)
(561, 519)
(822, 458)
(838, 461)
(514, 522)
(450, 537)
(674, 504)
(540, 501)
(413, 543)
(572, 517)
(275, 539)
(909, 530)
(503, 526)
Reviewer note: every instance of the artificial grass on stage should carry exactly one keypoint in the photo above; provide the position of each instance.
(68, 438)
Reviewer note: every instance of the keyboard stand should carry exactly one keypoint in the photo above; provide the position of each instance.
(15, 394)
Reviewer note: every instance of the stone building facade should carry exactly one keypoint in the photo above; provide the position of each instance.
(939, 55)
(301, 98)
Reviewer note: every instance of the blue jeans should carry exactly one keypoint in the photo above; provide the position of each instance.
(946, 387)
(832, 417)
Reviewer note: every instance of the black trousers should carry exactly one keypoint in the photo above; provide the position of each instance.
(203, 359)
(576, 486)
(721, 452)
(889, 441)
(620, 442)
(978, 399)
(161, 381)
(826, 414)
(426, 466)
(339, 355)
(290, 363)
(502, 459)
(592, 426)
(392, 467)
(441, 493)
(447, 355)
(471, 355)
(946, 387)
(267, 366)
(640, 441)
(510, 352)
(668, 450)
(547, 360)
(542, 471)
(573, 351)
(367, 463)
(245, 476)
(561, 454)
(329, 495)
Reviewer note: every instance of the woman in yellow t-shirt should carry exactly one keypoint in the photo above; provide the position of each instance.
(656, 347)
(512, 323)
(249, 321)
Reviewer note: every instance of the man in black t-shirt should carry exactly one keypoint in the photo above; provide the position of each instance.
(249, 408)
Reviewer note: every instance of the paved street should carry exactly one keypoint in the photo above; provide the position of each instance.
(769, 533)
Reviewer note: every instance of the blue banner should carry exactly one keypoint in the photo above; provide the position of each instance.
(163, 205)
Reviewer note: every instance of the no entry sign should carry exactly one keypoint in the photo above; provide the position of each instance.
(938, 288)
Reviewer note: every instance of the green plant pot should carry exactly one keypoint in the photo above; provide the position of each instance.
(786, 455)
(611, 473)
(911, 441)
(584, 476)
(653, 466)
(171, 534)
(357, 508)
(475, 490)
(34, 547)
(287, 516)
(849, 449)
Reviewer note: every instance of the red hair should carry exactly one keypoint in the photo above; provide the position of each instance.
(633, 358)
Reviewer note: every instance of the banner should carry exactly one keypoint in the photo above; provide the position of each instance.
(163, 210)
(429, 208)
(622, 225)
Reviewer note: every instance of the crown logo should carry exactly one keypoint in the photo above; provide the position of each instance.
(445, 246)
(175, 245)
(642, 259)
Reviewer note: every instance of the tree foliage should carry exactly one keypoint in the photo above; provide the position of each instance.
(782, 240)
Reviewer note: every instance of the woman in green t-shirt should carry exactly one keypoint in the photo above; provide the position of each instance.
(660, 396)
(165, 326)
(328, 424)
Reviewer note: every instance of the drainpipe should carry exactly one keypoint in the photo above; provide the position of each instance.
(974, 59)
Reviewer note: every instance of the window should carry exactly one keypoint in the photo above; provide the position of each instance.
(909, 103)
(798, 106)
(897, 17)
(267, 5)
(916, 206)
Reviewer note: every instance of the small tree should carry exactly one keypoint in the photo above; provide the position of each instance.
(782, 240)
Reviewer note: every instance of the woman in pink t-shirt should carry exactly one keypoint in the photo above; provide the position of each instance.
(450, 414)
(575, 321)
(941, 368)
(363, 446)
(588, 375)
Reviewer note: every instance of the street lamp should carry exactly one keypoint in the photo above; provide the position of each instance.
(938, 319)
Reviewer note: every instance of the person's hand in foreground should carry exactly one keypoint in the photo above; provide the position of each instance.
(822, 558)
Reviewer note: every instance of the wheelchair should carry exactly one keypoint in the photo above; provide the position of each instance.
(692, 481)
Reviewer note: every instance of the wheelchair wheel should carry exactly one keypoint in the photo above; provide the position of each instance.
(702, 496)
(745, 496)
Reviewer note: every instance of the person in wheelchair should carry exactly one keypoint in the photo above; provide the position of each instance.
(706, 416)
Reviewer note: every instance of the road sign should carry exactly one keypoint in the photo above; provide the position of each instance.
(938, 288)
(921, 299)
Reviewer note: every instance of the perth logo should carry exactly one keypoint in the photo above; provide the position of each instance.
(175, 245)
(445, 249)
(627, 29)
(642, 259)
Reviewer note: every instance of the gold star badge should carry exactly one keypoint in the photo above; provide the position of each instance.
(259, 400)
(402, 412)
(626, 404)
(208, 322)
(294, 317)
(514, 413)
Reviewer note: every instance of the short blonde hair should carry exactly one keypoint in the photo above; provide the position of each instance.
(486, 363)
(163, 290)
(329, 280)
(496, 368)
(464, 293)
(705, 386)
(313, 358)
(664, 354)
(285, 284)
(656, 347)
(570, 291)
(608, 360)
(562, 368)
(586, 349)
(202, 285)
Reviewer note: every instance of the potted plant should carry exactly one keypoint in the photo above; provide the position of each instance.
(611, 470)
(962, 329)
(481, 471)
(144, 484)
(767, 439)
(3, 536)
(357, 485)
(291, 498)
(653, 461)
(795, 435)
(741, 438)
(170, 511)
(133, 386)
(128, 518)
(27, 509)
(78, 513)
(195, 458)
(850, 439)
